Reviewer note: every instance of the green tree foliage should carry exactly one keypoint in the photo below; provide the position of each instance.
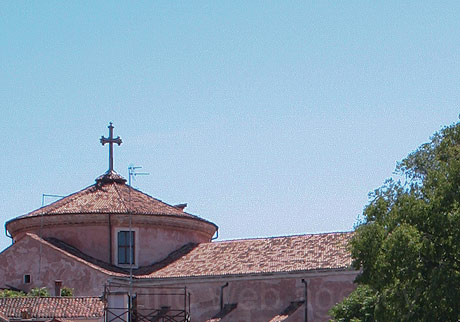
(66, 291)
(408, 243)
(10, 293)
(39, 292)
(360, 303)
(35, 292)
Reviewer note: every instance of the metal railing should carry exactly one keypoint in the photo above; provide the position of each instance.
(164, 314)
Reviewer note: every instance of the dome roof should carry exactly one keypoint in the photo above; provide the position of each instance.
(109, 195)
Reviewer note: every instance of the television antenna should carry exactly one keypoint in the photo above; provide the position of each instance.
(132, 173)
(131, 176)
(51, 196)
(40, 233)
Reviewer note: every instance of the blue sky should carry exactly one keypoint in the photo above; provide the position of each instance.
(266, 117)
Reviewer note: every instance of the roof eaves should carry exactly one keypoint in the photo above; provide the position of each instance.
(249, 274)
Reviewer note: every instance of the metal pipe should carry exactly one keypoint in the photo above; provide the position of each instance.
(110, 241)
(185, 298)
(222, 296)
(306, 298)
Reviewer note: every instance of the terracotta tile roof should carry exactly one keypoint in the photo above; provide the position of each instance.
(109, 196)
(52, 307)
(264, 255)
(327, 251)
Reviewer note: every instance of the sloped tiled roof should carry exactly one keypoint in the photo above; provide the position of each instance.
(265, 255)
(109, 194)
(311, 252)
(52, 307)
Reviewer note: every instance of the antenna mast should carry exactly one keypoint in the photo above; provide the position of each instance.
(131, 175)
(40, 232)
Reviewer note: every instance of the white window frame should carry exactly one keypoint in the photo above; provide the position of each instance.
(115, 247)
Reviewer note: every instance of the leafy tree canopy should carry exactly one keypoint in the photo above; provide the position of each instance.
(35, 292)
(39, 292)
(408, 242)
(10, 293)
(66, 291)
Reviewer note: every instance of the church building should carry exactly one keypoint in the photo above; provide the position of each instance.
(147, 260)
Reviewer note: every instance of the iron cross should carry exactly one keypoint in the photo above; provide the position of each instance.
(110, 140)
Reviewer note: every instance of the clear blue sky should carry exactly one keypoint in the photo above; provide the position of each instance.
(267, 118)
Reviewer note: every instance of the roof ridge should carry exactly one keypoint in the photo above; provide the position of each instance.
(279, 237)
(121, 198)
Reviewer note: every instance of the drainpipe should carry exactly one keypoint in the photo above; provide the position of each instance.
(306, 298)
(110, 240)
(222, 296)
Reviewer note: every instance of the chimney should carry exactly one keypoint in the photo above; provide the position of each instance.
(57, 287)
(181, 206)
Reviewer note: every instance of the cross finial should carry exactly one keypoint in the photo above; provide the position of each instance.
(110, 140)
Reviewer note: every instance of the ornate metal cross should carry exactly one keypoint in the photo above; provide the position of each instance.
(110, 140)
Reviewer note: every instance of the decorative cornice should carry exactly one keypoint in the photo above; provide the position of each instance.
(27, 224)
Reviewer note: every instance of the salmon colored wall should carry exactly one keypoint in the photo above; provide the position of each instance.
(91, 240)
(258, 299)
(154, 243)
(157, 243)
(261, 300)
(23, 258)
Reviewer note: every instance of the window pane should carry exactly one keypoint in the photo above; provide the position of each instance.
(132, 255)
(122, 238)
(121, 255)
(126, 247)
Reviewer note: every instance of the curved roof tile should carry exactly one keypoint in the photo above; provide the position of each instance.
(53, 307)
(265, 255)
(109, 194)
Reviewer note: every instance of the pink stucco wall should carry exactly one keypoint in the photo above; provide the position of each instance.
(23, 258)
(259, 299)
(92, 240)
(155, 243)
